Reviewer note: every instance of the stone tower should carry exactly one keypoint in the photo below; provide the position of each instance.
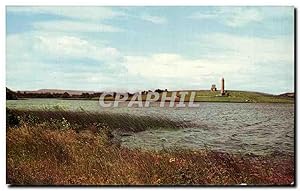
(222, 86)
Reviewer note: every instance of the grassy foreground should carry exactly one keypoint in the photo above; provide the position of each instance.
(58, 148)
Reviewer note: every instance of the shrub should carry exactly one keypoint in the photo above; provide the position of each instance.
(12, 118)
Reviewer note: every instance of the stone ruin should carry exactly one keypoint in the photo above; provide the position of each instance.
(213, 88)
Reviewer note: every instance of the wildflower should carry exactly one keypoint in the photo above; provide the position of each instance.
(172, 160)
(158, 181)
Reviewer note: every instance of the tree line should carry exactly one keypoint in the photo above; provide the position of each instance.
(11, 95)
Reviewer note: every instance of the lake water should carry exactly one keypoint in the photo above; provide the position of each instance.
(257, 128)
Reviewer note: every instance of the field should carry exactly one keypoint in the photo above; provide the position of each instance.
(233, 96)
(64, 147)
(241, 96)
(237, 96)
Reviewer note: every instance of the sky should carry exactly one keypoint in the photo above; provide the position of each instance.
(142, 48)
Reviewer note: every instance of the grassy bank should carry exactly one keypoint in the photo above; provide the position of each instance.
(77, 148)
(232, 96)
(81, 120)
(237, 97)
(241, 96)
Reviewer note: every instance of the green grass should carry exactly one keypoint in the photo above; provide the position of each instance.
(240, 97)
(233, 96)
(63, 148)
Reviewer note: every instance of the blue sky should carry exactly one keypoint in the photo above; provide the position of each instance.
(140, 48)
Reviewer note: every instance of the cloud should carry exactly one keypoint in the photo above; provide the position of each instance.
(248, 63)
(231, 16)
(256, 62)
(31, 46)
(73, 26)
(248, 49)
(74, 47)
(154, 19)
(241, 16)
(72, 62)
(175, 71)
(46, 60)
(75, 19)
(219, 54)
(75, 12)
(162, 66)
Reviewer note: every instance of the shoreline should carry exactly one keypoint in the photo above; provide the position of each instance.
(84, 99)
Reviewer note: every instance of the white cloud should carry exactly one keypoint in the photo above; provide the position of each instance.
(222, 54)
(154, 19)
(32, 46)
(27, 45)
(40, 60)
(77, 19)
(73, 26)
(175, 71)
(248, 63)
(76, 12)
(241, 16)
(247, 49)
(231, 16)
(202, 15)
(257, 63)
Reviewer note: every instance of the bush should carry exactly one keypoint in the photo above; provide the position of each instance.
(12, 118)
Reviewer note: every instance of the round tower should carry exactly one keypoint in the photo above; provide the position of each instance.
(222, 86)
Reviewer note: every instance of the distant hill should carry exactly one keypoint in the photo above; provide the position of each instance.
(292, 95)
(57, 91)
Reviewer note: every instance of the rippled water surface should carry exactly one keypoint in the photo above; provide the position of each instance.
(258, 128)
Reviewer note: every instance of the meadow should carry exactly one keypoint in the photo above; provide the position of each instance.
(234, 96)
(240, 97)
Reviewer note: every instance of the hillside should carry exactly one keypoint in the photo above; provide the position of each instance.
(235, 96)
(59, 91)
(232, 96)
(241, 96)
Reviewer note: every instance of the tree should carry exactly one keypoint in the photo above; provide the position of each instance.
(10, 95)
(66, 95)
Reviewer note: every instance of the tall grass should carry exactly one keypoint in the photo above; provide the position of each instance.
(84, 119)
(45, 148)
